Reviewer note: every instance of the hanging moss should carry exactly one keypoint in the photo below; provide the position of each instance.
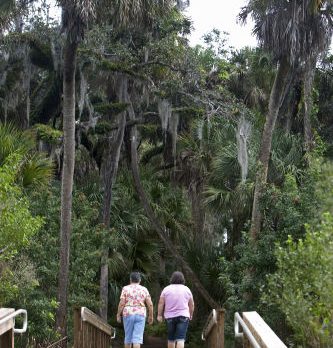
(48, 134)
(48, 105)
(110, 109)
(13, 74)
(41, 55)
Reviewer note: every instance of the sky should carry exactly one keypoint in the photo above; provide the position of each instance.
(221, 14)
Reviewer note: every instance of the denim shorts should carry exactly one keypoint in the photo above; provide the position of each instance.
(134, 326)
(177, 328)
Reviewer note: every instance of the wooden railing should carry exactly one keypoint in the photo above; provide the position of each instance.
(7, 326)
(255, 332)
(213, 332)
(91, 331)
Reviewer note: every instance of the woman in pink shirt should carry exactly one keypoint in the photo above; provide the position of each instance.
(176, 305)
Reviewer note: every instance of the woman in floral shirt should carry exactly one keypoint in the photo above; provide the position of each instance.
(132, 307)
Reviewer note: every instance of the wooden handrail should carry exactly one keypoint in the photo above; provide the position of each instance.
(256, 333)
(90, 330)
(213, 332)
(96, 321)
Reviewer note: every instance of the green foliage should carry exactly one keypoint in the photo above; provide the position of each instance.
(302, 285)
(110, 109)
(17, 225)
(48, 134)
(33, 169)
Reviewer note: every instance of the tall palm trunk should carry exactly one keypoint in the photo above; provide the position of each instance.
(70, 51)
(198, 213)
(160, 230)
(277, 95)
(109, 172)
(308, 102)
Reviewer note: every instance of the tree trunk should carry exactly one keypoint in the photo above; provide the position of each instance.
(70, 51)
(278, 93)
(160, 230)
(109, 172)
(198, 213)
(308, 102)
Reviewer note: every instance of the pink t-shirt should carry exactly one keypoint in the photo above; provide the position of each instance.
(176, 298)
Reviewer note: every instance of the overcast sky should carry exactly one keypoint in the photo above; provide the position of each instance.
(220, 14)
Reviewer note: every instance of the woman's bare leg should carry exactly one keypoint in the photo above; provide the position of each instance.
(128, 345)
(180, 344)
(136, 345)
(171, 344)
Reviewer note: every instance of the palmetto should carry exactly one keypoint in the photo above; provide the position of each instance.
(35, 169)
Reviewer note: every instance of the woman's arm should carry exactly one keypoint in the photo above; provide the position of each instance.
(150, 306)
(191, 307)
(120, 309)
(160, 309)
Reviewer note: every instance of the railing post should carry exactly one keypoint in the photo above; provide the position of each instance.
(220, 328)
(77, 328)
(213, 332)
(7, 339)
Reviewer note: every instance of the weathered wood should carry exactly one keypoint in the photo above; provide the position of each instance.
(263, 334)
(7, 339)
(8, 325)
(90, 331)
(90, 317)
(6, 329)
(220, 328)
(213, 332)
(246, 342)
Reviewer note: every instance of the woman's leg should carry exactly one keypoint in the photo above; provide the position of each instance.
(128, 327)
(181, 331)
(138, 329)
(171, 344)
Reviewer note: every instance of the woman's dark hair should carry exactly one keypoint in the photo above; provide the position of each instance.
(135, 277)
(177, 278)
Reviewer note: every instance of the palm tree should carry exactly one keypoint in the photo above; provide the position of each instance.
(75, 16)
(292, 31)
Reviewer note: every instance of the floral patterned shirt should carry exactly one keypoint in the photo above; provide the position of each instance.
(135, 296)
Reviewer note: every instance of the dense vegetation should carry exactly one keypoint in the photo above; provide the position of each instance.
(124, 148)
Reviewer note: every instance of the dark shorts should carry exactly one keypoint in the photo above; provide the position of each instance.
(177, 328)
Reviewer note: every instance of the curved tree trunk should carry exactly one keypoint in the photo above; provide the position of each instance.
(278, 93)
(70, 51)
(160, 230)
(109, 172)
